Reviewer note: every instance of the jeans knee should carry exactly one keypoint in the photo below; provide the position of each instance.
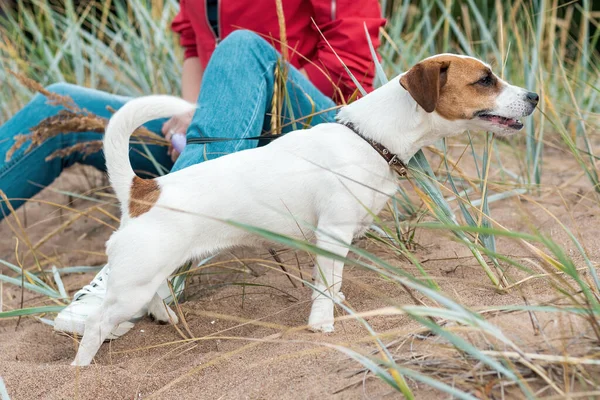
(242, 36)
(246, 40)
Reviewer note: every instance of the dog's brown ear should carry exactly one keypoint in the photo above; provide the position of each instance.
(424, 81)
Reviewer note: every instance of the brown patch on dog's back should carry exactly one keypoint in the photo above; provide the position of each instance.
(143, 195)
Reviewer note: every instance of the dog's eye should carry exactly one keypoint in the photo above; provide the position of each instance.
(486, 81)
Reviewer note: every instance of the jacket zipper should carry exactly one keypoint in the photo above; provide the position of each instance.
(217, 34)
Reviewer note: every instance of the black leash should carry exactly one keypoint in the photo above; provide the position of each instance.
(392, 159)
(207, 140)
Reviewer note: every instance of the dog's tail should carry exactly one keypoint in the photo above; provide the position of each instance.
(120, 127)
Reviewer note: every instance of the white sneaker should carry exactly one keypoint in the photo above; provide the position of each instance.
(88, 300)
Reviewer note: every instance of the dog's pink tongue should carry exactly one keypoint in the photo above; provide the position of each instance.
(503, 121)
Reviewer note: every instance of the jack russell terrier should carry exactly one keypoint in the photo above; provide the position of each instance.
(332, 177)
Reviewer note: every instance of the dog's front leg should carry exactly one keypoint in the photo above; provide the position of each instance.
(328, 278)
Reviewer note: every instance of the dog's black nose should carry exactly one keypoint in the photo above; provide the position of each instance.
(532, 97)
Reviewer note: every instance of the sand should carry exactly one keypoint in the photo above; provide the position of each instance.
(248, 342)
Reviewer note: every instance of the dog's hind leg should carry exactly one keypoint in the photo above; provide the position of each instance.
(118, 306)
(138, 267)
(328, 275)
(161, 312)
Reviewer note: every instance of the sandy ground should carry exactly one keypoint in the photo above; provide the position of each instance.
(247, 341)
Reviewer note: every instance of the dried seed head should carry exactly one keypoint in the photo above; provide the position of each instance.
(72, 119)
(85, 148)
(55, 99)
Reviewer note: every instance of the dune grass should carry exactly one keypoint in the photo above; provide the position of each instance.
(545, 46)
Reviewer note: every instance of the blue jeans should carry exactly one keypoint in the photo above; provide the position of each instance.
(234, 102)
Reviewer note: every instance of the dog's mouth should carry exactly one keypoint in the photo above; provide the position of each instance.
(499, 120)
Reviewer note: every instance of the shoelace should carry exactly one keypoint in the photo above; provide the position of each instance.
(96, 287)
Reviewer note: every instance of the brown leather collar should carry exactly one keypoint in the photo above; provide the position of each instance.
(392, 159)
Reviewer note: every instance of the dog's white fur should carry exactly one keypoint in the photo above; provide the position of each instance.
(326, 177)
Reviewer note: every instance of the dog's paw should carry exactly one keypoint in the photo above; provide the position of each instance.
(321, 316)
(77, 363)
(340, 297)
(162, 313)
(321, 327)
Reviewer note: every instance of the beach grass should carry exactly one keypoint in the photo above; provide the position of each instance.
(546, 46)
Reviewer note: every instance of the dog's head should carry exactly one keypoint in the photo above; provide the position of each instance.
(460, 88)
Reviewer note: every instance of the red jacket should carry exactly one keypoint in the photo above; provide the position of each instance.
(341, 22)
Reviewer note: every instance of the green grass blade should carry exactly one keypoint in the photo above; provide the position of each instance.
(31, 311)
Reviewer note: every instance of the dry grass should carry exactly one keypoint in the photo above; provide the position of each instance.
(72, 119)
(545, 368)
(538, 288)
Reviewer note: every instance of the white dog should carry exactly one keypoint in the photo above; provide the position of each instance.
(331, 177)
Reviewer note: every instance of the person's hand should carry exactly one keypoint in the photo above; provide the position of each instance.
(177, 124)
